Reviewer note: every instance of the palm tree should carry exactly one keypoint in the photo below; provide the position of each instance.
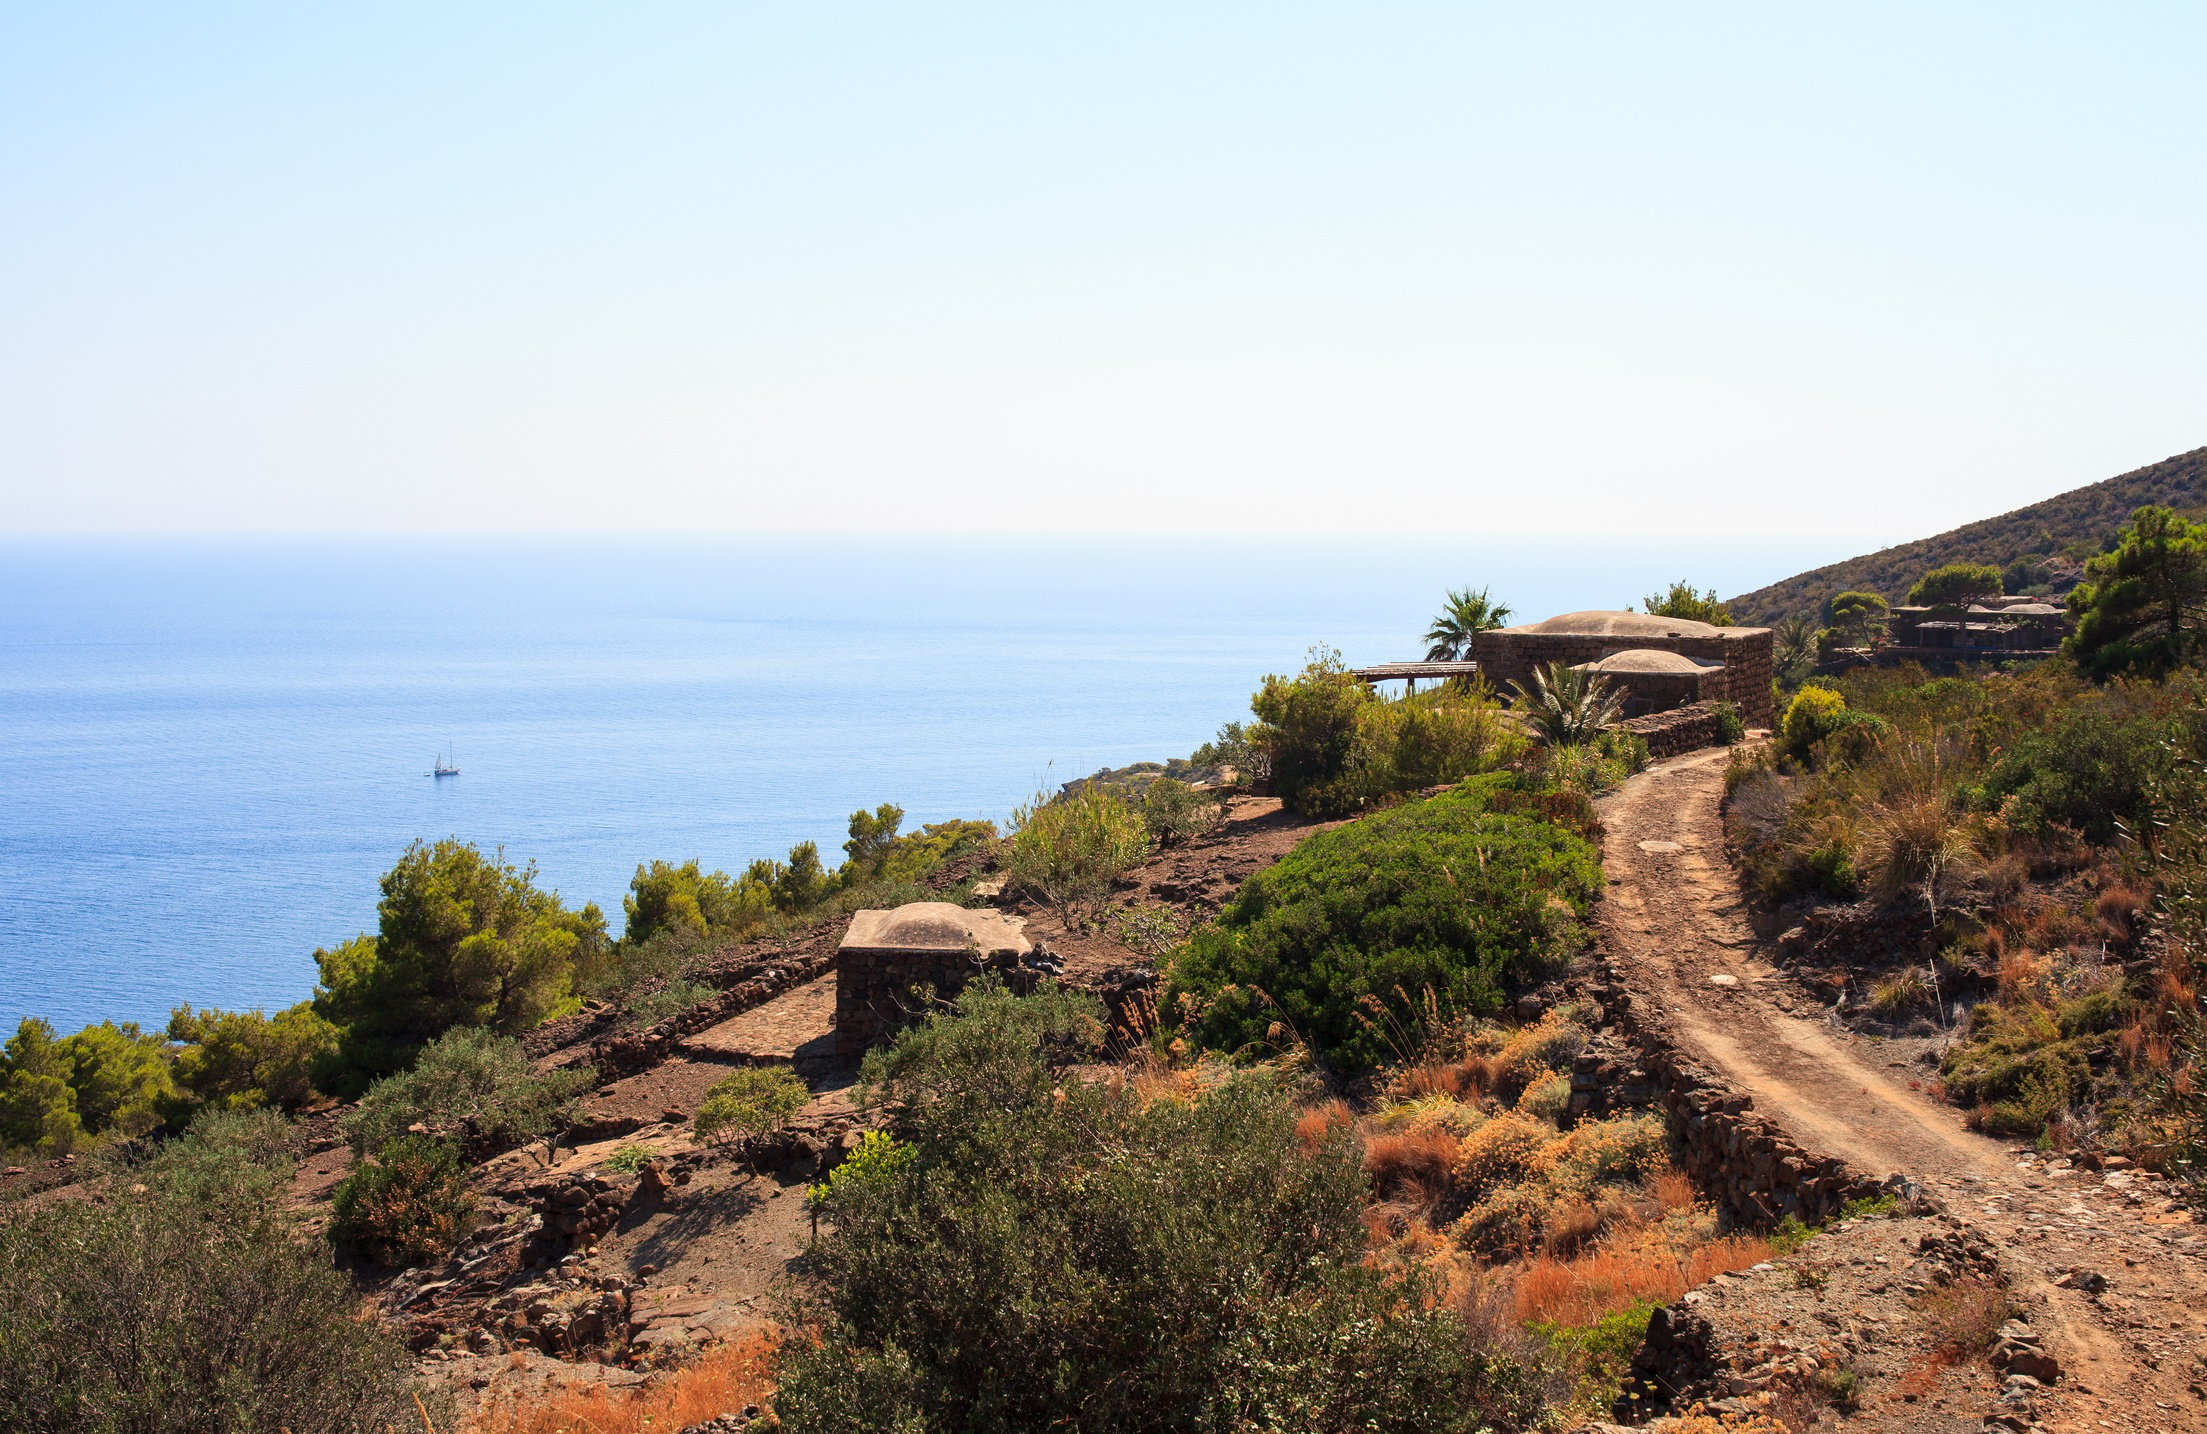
(1795, 650)
(1567, 705)
(1466, 612)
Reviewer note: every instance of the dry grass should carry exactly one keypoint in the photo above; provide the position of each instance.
(723, 1380)
(1965, 1317)
(1316, 1125)
(1580, 1291)
(1901, 991)
(1467, 1080)
(1673, 1189)
(1415, 1160)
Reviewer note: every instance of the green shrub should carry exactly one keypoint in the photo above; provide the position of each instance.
(750, 1102)
(408, 1204)
(628, 1159)
(472, 1088)
(2016, 1067)
(1683, 602)
(1810, 716)
(1034, 1251)
(181, 1300)
(1306, 731)
(1426, 740)
(1173, 811)
(243, 1059)
(1731, 726)
(663, 897)
(462, 940)
(1071, 851)
(1444, 893)
(2092, 771)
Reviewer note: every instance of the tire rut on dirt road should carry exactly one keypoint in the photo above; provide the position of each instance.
(1675, 924)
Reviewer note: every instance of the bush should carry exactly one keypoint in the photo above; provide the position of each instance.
(663, 897)
(1683, 602)
(2016, 1068)
(1442, 894)
(1306, 731)
(409, 1204)
(750, 1102)
(1173, 811)
(243, 1059)
(462, 940)
(474, 1089)
(1071, 851)
(1812, 715)
(2093, 771)
(1037, 1251)
(1428, 739)
(1731, 726)
(180, 1300)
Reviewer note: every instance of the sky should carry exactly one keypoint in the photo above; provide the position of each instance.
(1611, 269)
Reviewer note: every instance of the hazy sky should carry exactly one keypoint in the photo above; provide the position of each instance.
(1608, 268)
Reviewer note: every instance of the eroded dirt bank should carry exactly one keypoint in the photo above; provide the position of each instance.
(2109, 1272)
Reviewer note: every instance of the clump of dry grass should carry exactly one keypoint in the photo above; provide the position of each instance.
(1899, 992)
(1964, 1317)
(1593, 1285)
(1315, 1126)
(724, 1380)
(1417, 1160)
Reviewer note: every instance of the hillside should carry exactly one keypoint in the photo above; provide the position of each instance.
(2074, 523)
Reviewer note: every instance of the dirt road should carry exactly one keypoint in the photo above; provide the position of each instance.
(1676, 926)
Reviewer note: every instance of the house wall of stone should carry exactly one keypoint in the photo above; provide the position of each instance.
(1650, 692)
(1505, 657)
(873, 989)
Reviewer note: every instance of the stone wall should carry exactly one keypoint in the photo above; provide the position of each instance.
(631, 1051)
(1755, 1173)
(1682, 729)
(873, 989)
(1507, 656)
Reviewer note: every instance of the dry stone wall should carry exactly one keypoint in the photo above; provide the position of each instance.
(1682, 729)
(1754, 1172)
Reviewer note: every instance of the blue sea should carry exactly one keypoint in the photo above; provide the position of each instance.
(211, 749)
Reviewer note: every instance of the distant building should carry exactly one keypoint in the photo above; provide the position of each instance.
(2001, 627)
(1639, 654)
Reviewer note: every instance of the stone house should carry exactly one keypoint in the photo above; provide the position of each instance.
(935, 944)
(1728, 664)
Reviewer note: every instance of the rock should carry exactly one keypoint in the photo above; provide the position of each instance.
(2091, 1282)
(2010, 1357)
(2016, 1331)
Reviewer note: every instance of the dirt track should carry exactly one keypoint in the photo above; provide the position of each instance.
(1676, 926)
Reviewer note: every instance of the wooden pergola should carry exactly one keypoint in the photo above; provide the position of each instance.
(1410, 672)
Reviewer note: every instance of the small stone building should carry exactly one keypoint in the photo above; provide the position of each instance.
(1653, 680)
(1734, 662)
(926, 943)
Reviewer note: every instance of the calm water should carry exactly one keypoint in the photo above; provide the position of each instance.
(212, 749)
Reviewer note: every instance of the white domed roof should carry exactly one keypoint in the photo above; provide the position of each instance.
(935, 926)
(1619, 624)
(1647, 659)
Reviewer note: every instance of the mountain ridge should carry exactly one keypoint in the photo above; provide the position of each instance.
(2065, 529)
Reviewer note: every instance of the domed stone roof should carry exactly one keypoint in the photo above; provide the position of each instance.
(1618, 624)
(1647, 659)
(935, 926)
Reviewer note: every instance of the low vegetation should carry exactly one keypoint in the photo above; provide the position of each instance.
(1466, 893)
(1333, 747)
(181, 1298)
(749, 1103)
(471, 1089)
(407, 1202)
(964, 1281)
